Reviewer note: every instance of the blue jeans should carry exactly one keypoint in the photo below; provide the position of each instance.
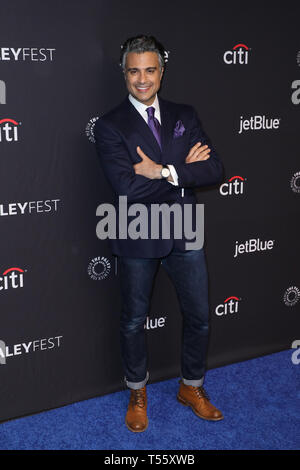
(188, 272)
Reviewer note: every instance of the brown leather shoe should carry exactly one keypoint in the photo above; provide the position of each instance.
(198, 400)
(136, 417)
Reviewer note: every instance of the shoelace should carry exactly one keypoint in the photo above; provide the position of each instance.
(138, 398)
(201, 393)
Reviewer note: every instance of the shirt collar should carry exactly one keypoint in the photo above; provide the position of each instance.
(141, 108)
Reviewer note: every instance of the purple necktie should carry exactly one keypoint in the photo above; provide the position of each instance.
(154, 125)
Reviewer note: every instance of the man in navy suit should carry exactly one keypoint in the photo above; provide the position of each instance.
(155, 152)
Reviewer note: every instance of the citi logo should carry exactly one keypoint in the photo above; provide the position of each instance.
(257, 123)
(250, 246)
(296, 94)
(238, 55)
(230, 305)
(2, 92)
(9, 130)
(12, 278)
(234, 186)
(153, 323)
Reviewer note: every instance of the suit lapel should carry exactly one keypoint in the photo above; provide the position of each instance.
(166, 124)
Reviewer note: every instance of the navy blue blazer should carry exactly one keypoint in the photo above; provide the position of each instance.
(117, 135)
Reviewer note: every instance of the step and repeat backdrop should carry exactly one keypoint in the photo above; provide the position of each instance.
(239, 66)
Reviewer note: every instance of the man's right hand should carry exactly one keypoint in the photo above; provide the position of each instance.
(197, 153)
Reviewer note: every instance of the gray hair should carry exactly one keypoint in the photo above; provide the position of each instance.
(140, 44)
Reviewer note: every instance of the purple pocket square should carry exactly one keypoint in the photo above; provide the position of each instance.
(178, 130)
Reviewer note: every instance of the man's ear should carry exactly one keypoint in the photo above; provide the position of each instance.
(162, 72)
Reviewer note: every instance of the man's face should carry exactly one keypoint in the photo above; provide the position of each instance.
(143, 76)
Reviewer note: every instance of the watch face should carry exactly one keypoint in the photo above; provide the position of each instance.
(165, 172)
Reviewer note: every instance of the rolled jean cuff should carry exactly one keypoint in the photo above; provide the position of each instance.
(193, 383)
(137, 385)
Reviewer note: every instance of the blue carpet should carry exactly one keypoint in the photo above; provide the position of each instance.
(259, 398)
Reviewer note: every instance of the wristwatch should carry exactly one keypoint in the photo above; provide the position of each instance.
(165, 171)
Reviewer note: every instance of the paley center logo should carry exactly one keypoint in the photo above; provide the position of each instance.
(257, 123)
(230, 305)
(234, 186)
(253, 245)
(89, 130)
(2, 92)
(295, 183)
(291, 296)
(160, 222)
(99, 268)
(238, 55)
(12, 278)
(22, 54)
(28, 347)
(9, 130)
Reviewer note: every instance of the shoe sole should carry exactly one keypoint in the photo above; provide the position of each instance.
(185, 403)
(136, 430)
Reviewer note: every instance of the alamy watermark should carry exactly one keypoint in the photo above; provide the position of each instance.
(296, 354)
(159, 220)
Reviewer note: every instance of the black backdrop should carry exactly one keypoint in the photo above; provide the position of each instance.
(59, 285)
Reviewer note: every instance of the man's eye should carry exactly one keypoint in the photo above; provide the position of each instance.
(151, 71)
(132, 72)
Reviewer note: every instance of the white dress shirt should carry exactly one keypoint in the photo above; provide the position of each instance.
(141, 108)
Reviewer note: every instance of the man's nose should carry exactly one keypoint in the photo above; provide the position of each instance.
(142, 77)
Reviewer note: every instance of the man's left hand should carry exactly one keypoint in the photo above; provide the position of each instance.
(147, 167)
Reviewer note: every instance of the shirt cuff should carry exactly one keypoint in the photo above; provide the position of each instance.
(174, 175)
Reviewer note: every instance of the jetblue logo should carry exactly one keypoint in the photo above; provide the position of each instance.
(153, 323)
(253, 245)
(257, 123)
